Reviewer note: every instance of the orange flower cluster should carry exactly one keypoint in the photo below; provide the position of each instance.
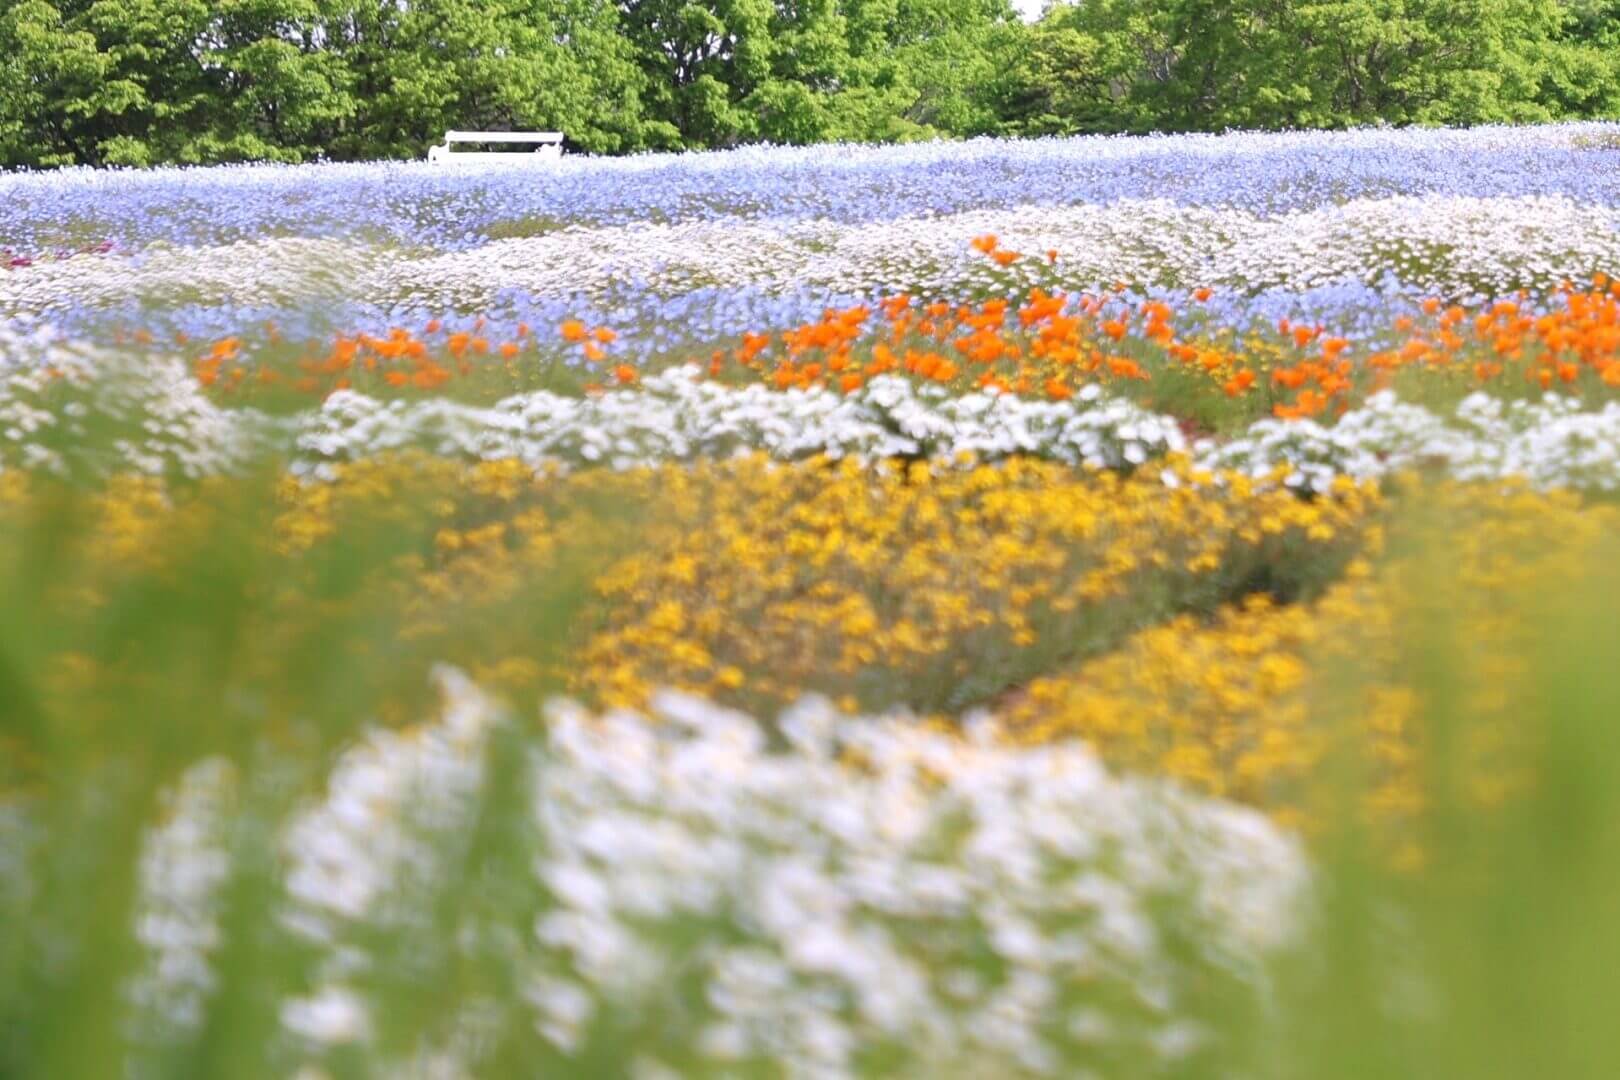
(402, 359)
(990, 246)
(1574, 347)
(1560, 346)
(1037, 346)
(208, 367)
(1319, 381)
(590, 340)
(1047, 343)
(1051, 342)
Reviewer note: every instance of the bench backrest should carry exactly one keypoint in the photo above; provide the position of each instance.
(543, 137)
(547, 146)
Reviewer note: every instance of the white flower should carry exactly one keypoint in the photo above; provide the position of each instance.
(821, 909)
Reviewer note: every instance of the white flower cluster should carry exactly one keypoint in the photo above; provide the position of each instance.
(93, 410)
(676, 415)
(183, 866)
(1449, 245)
(1552, 443)
(103, 413)
(82, 408)
(285, 271)
(957, 904)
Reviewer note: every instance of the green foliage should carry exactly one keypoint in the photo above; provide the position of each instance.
(137, 82)
(418, 71)
(52, 81)
(134, 82)
(1202, 65)
(1493, 953)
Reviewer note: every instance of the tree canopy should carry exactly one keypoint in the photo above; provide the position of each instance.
(1191, 65)
(134, 82)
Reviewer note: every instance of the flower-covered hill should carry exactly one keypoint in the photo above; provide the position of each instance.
(1107, 607)
(679, 249)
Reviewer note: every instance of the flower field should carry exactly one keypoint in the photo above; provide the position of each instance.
(1093, 607)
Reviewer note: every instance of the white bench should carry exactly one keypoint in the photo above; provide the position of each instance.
(547, 147)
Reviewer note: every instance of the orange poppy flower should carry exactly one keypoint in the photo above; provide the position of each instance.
(1239, 383)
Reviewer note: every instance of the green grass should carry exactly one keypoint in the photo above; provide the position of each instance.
(185, 672)
(1500, 957)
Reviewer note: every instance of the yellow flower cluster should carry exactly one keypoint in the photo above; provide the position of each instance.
(398, 563)
(1228, 634)
(471, 549)
(931, 588)
(1248, 704)
(754, 582)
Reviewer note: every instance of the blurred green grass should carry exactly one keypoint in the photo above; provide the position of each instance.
(1495, 954)
(85, 761)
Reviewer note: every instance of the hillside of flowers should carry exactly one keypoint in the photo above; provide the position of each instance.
(1090, 607)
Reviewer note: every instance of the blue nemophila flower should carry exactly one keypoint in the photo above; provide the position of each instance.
(677, 252)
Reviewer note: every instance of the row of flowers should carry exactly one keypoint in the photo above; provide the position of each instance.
(747, 582)
(1188, 629)
(947, 905)
(106, 412)
(420, 206)
(638, 273)
(161, 420)
(1452, 246)
(1554, 443)
(1249, 703)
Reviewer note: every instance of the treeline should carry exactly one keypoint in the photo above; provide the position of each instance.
(1209, 65)
(134, 82)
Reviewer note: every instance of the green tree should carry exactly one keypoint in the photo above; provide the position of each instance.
(810, 63)
(132, 82)
(1058, 84)
(1202, 65)
(955, 53)
(188, 81)
(266, 88)
(1584, 78)
(51, 87)
(139, 81)
(435, 65)
(701, 62)
(797, 71)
